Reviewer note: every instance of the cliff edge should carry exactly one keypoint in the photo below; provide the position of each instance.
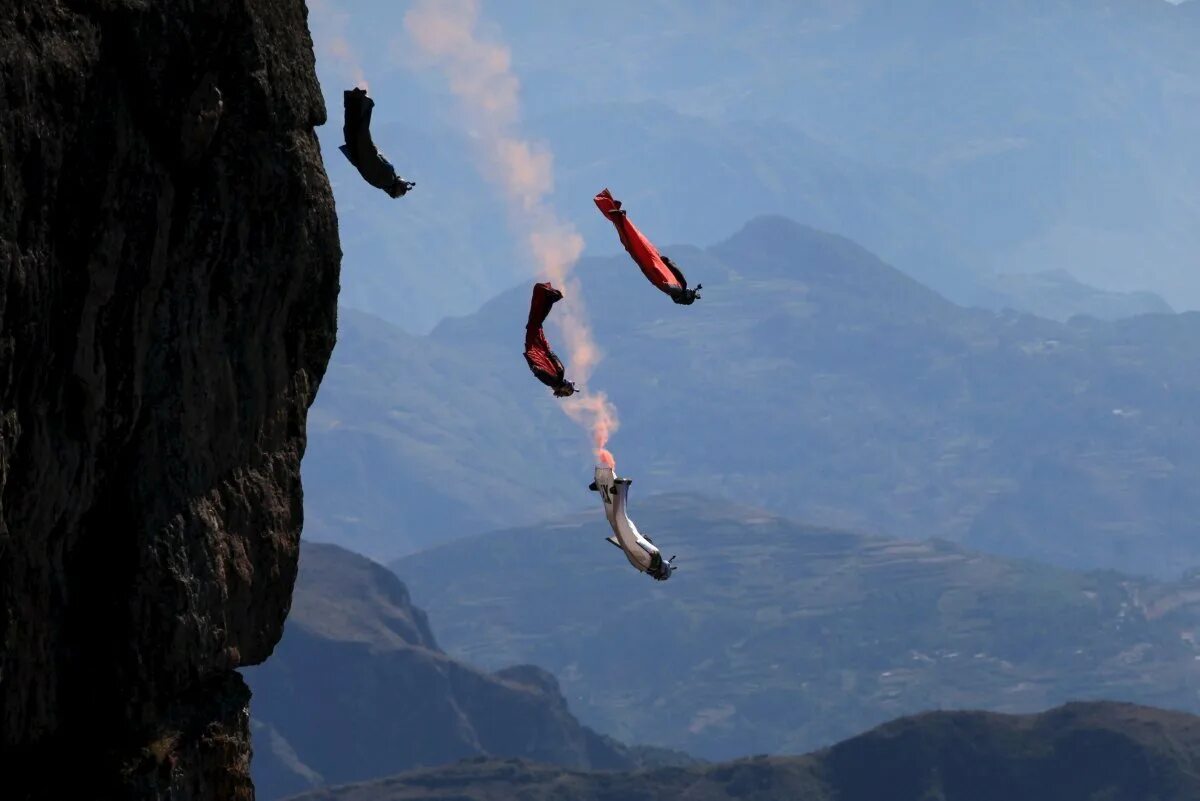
(169, 261)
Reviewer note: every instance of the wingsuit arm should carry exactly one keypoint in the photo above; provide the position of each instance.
(682, 296)
(538, 366)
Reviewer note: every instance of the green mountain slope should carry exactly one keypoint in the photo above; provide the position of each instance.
(778, 637)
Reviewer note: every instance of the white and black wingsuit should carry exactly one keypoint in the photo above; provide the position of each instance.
(639, 549)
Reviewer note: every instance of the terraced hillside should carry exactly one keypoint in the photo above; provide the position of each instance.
(779, 637)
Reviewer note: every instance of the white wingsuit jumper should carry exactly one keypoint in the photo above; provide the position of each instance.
(639, 550)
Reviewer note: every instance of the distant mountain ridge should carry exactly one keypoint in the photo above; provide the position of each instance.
(1078, 752)
(956, 140)
(813, 380)
(1057, 295)
(358, 688)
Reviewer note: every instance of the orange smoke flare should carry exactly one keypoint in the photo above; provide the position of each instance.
(480, 76)
(594, 411)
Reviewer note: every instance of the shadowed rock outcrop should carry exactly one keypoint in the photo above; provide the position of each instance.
(358, 689)
(168, 283)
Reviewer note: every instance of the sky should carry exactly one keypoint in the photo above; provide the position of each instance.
(955, 139)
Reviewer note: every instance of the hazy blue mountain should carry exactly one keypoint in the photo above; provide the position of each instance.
(358, 688)
(954, 138)
(1080, 752)
(414, 440)
(778, 637)
(813, 380)
(1057, 295)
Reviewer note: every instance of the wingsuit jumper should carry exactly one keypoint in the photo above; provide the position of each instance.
(661, 271)
(544, 363)
(639, 549)
(361, 150)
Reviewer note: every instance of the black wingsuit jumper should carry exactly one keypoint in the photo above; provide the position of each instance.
(361, 150)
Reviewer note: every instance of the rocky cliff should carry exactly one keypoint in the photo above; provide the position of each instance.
(169, 264)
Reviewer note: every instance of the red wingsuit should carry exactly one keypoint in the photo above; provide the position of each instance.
(661, 271)
(542, 361)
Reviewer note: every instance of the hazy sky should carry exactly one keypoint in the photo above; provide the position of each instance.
(1056, 135)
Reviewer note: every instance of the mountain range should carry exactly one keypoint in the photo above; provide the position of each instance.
(813, 380)
(778, 637)
(1058, 295)
(358, 688)
(772, 638)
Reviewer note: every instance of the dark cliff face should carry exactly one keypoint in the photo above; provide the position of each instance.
(169, 258)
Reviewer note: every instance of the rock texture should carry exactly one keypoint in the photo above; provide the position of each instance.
(359, 689)
(168, 283)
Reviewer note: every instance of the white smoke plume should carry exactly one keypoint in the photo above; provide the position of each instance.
(445, 35)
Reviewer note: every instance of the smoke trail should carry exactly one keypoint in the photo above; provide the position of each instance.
(328, 26)
(480, 76)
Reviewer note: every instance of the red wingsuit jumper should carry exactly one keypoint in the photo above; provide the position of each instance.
(542, 361)
(661, 271)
